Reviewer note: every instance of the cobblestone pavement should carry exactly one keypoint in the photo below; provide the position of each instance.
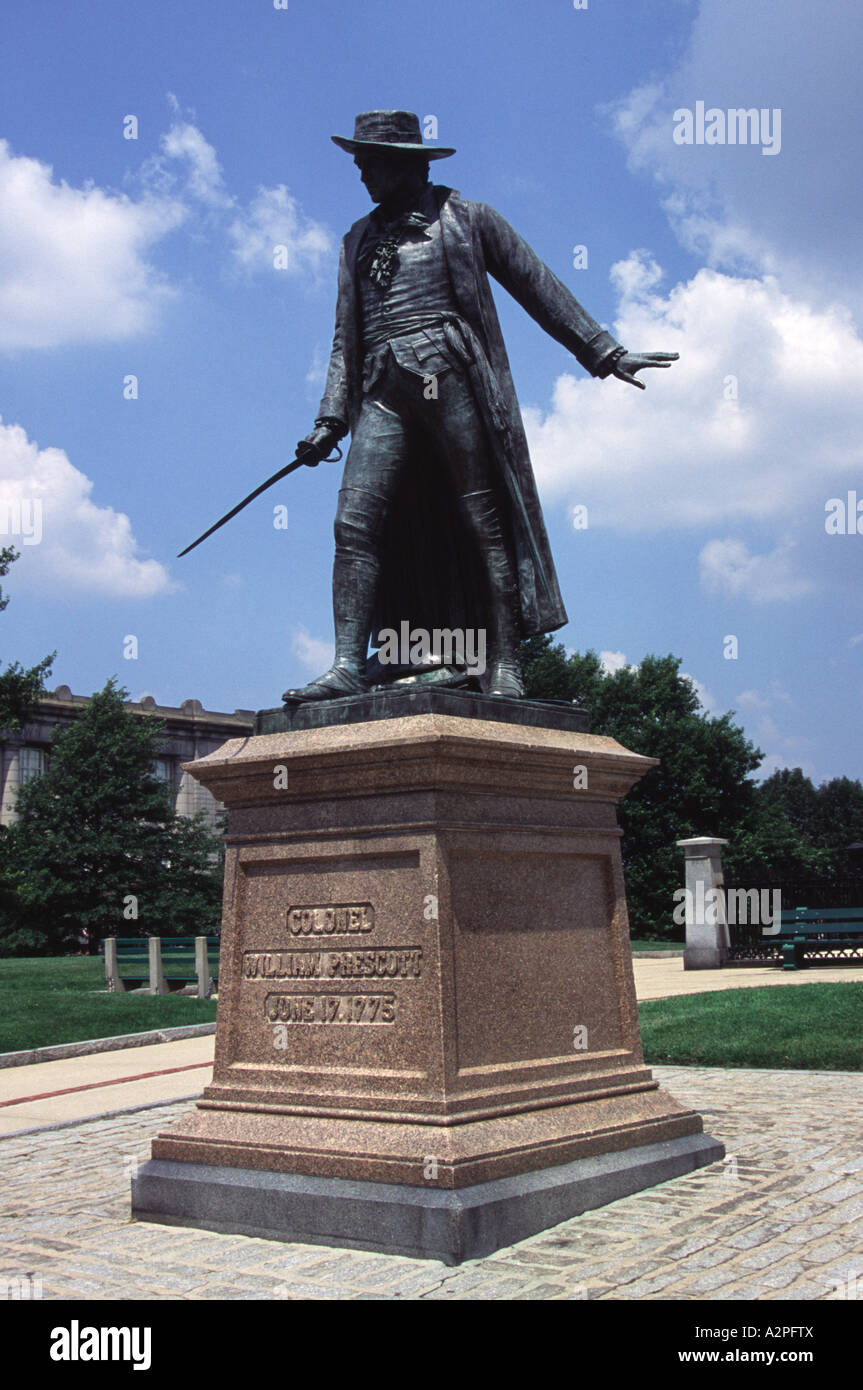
(782, 1217)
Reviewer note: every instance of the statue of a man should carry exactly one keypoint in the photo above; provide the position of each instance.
(438, 522)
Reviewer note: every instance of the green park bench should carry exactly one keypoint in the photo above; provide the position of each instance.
(133, 961)
(810, 929)
(161, 962)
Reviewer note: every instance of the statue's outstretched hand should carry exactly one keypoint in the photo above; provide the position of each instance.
(632, 362)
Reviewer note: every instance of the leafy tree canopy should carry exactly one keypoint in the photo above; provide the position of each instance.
(20, 689)
(702, 786)
(97, 846)
(781, 830)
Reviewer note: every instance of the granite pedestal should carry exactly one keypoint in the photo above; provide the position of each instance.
(427, 1039)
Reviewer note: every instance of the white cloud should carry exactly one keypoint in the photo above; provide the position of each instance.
(763, 412)
(73, 261)
(707, 700)
(788, 750)
(798, 212)
(612, 662)
(762, 700)
(76, 264)
(273, 220)
(316, 653)
(84, 548)
(188, 168)
(204, 181)
(728, 567)
(784, 750)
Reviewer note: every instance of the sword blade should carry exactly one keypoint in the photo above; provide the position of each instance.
(282, 473)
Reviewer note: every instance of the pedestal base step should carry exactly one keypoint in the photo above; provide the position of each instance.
(425, 1223)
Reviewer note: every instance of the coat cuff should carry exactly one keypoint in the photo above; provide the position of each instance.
(601, 353)
(331, 422)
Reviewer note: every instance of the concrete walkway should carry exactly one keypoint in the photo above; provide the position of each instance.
(48, 1093)
(660, 979)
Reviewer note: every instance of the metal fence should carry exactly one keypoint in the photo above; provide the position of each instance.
(747, 939)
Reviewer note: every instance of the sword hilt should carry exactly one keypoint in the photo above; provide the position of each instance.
(304, 446)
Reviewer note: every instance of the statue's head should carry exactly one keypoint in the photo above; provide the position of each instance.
(388, 176)
(389, 152)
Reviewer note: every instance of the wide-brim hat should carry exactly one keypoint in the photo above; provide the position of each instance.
(389, 132)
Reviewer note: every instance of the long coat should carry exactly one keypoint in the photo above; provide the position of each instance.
(427, 575)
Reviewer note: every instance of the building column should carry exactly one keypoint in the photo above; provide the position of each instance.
(11, 780)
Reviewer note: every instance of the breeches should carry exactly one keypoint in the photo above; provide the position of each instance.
(393, 414)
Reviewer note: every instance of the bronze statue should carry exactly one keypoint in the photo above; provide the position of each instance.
(438, 524)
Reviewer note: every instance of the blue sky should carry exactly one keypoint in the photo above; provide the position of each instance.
(153, 257)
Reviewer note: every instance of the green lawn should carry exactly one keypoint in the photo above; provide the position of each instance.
(817, 1027)
(56, 999)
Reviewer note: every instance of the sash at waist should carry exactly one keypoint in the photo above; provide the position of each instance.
(378, 335)
(467, 349)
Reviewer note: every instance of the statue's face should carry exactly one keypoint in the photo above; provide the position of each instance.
(386, 175)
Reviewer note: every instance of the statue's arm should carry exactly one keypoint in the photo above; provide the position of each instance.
(546, 298)
(512, 262)
(331, 422)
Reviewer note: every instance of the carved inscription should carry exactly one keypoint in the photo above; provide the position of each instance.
(385, 963)
(336, 920)
(330, 1008)
(329, 961)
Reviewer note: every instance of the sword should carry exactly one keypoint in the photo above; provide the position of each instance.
(306, 454)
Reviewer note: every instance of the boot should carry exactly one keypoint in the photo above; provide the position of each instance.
(355, 580)
(504, 670)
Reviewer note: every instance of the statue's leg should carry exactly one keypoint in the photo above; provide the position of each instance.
(377, 452)
(460, 430)
(482, 512)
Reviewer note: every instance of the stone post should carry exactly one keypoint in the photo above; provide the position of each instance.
(202, 968)
(112, 973)
(157, 975)
(707, 941)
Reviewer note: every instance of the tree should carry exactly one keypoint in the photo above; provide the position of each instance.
(185, 895)
(791, 792)
(838, 820)
(702, 786)
(97, 846)
(19, 689)
(803, 834)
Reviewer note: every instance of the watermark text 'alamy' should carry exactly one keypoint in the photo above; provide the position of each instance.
(739, 125)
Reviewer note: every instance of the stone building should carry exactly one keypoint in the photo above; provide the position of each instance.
(190, 732)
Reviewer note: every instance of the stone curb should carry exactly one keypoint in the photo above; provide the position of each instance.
(657, 955)
(59, 1051)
